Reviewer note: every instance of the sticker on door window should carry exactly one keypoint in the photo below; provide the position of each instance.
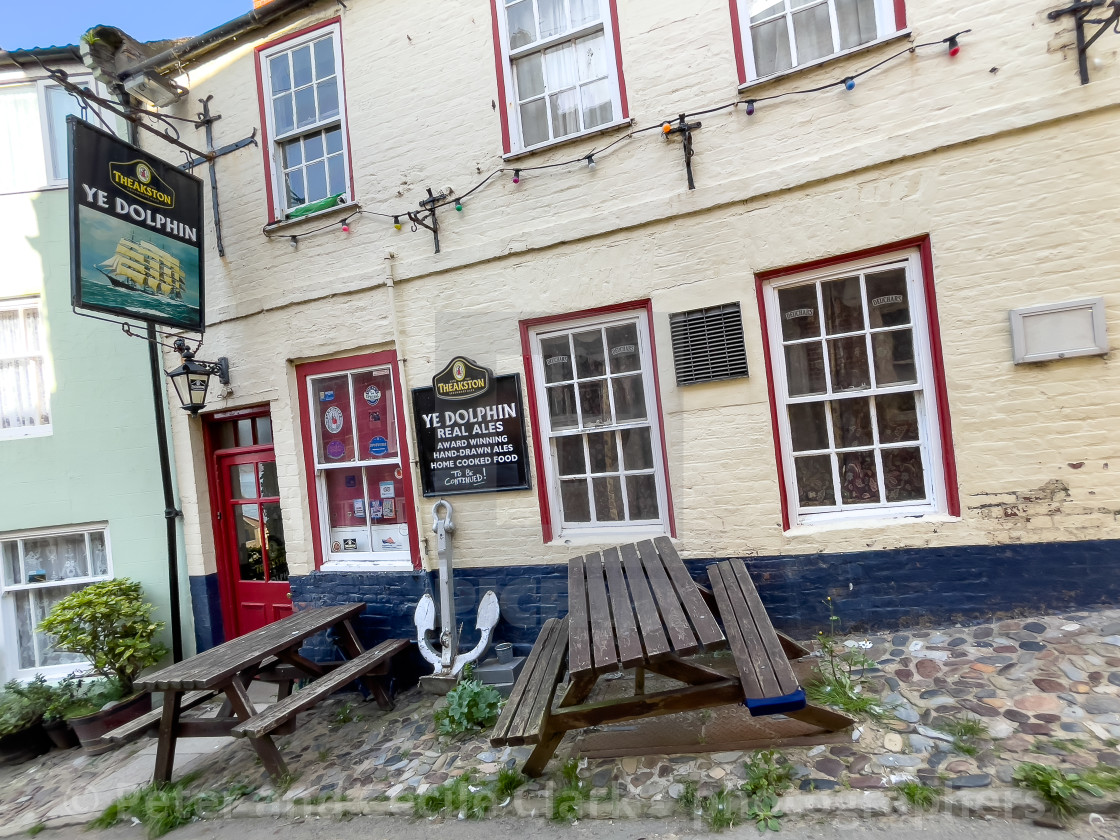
(373, 395)
(387, 490)
(333, 419)
(350, 544)
(326, 396)
(388, 508)
(336, 449)
(375, 509)
(378, 446)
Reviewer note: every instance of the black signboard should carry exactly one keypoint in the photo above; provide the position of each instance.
(470, 431)
(136, 232)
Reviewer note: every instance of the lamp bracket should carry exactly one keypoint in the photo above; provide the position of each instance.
(1080, 11)
(685, 129)
(427, 214)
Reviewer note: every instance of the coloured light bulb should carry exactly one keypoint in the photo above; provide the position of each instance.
(346, 228)
(458, 206)
(397, 222)
(954, 46)
(750, 107)
(517, 176)
(850, 83)
(590, 162)
(666, 127)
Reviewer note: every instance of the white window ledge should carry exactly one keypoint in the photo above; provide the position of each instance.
(21, 432)
(569, 138)
(870, 45)
(367, 566)
(610, 536)
(847, 524)
(282, 225)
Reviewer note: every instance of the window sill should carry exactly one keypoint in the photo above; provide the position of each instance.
(571, 138)
(870, 45)
(601, 535)
(281, 225)
(26, 432)
(367, 566)
(884, 521)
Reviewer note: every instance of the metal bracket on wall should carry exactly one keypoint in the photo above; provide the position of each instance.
(685, 129)
(206, 120)
(428, 214)
(1080, 12)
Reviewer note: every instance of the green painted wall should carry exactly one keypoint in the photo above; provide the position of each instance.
(101, 462)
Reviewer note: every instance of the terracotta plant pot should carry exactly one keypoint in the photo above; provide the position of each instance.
(23, 745)
(90, 728)
(62, 734)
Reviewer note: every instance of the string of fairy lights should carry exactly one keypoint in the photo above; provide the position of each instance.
(667, 127)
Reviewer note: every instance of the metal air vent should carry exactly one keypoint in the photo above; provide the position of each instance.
(708, 344)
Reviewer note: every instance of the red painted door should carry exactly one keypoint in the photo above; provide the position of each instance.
(254, 557)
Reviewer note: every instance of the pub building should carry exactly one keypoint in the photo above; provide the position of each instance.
(839, 327)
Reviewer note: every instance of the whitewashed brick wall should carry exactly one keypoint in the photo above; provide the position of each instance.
(1000, 155)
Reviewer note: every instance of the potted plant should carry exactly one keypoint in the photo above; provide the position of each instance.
(111, 625)
(63, 696)
(21, 720)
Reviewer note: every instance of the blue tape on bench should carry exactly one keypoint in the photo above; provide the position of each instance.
(776, 705)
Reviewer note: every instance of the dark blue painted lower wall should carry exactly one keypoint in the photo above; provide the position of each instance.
(206, 605)
(871, 590)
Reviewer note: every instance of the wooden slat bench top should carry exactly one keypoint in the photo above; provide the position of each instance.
(280, 712)
(635, 604)
(214, 667)
(763, 666)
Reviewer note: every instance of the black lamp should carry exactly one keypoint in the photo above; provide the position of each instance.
(192, 378)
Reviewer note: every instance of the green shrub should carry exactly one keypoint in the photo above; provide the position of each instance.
(109, 624)
(470, 706)
(918, 795)
(765, 775)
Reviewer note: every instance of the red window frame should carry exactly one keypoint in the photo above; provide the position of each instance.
(737, 35)
(547, 531)
(500, 66)
(262, 102)
(364, 360)
(925, 255)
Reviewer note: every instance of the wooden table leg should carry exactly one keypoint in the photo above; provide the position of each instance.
(168, 734)
(350, 643)
(826, 719)
(577, 692)
(639, 680)
(266, 749)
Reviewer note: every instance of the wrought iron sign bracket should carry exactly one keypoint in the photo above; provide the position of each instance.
(206, 120)
(685, 129)
(1080, 12)
(427, 214)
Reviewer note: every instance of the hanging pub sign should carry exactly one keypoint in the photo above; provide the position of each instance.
(135, 232)
(470, 431)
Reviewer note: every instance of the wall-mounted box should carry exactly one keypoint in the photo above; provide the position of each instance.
(1058, 331)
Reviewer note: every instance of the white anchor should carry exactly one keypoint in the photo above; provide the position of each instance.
(449, 662)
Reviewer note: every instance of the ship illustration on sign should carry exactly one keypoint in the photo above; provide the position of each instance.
(143, 267)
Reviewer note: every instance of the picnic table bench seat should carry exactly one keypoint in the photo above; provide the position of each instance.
(137, 727)
(530, 701)
(279, 713)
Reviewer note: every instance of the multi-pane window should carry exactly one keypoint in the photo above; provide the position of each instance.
(303, 92)
(363, 498)
(855, 386)
(781, 34)
(562, 71)
(600, 429)
(24, 401)
(34, 150)
(39, 570)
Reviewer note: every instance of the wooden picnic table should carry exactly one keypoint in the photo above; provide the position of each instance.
(228, 668)
(636, 606)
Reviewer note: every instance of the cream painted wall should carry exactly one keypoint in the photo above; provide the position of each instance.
(999, 155)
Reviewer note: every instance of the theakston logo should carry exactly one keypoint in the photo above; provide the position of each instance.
(137, 179)
(461, 380)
